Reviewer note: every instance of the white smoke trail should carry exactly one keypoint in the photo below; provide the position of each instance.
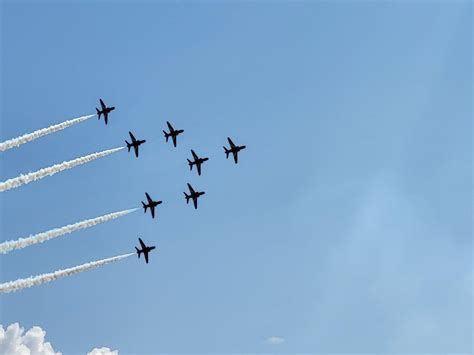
(30, 177)
(15, 142)
(21, 243)
(31, 281)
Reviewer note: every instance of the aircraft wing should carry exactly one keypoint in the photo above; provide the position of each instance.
(146, 257)
(235, 154)
(232, 145)
(102, 104)
(195, 202)
(170, 126)
(132, 137)
(106, 116)
(135, 147)
(190, 188)
(141, 243)
(174, 140)
(198, 167)
(152, 209)
(194, 155)
(148, 198)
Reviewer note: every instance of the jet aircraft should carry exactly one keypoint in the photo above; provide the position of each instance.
(197, 161)
(151, 204)
(144, 249)
(135, 143)
(234, 149)
(105, 110)
(173, 133)
(194, 195)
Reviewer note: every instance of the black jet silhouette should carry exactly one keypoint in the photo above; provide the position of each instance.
(105, 110)
(173, 133)
(135, 143)
(145, 250)
(197, 161)
(151, 204)
(194, 195)
(234, 149)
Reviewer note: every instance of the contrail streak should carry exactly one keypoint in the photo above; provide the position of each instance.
(21, 243)
(30, 177)
(16, 142)
(31, 281)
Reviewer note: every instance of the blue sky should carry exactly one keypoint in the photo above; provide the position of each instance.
(346, 226)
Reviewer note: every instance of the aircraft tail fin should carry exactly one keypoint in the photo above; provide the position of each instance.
(227, 152)
(187, 197)
(190, 164)
(144, 206)
(166, 135)
(98, 112)
(138, 252)
(128, 145)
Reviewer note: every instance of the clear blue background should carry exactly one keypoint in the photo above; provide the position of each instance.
(346, 226)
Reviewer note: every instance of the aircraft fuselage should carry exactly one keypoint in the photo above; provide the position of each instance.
(153, 204)
(106, 110)
(237, 149)
(176, 132)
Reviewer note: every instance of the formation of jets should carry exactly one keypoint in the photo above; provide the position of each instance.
(197, 161)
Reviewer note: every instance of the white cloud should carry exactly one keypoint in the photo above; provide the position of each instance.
(14, 342)
(275, 340)
(103, 351)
